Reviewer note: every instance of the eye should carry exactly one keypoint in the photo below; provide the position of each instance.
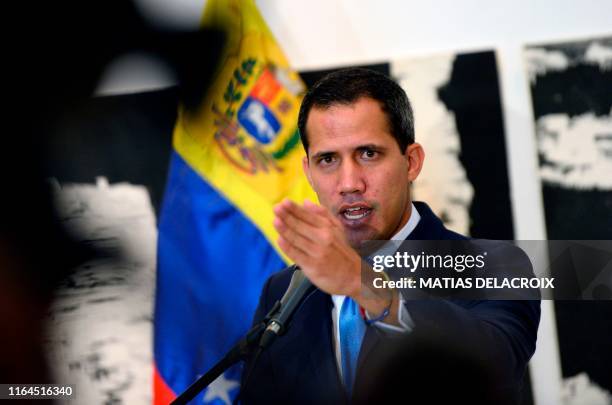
(369, 154)
(326, 160)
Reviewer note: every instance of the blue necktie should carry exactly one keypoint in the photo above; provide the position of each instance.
(352, 330)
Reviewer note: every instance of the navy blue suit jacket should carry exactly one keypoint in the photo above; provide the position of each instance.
(300, 366)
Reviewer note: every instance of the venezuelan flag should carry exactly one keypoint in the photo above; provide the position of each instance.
(233, 159)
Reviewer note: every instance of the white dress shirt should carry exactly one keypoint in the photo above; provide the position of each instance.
(405, 321)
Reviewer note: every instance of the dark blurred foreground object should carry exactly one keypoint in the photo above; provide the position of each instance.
(436, 369)
(52, 62)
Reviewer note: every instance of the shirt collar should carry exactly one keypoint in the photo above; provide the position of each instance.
(412, 223)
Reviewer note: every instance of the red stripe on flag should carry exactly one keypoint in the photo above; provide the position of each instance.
(162, 394)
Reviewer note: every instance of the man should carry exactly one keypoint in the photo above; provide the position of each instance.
(357, 129)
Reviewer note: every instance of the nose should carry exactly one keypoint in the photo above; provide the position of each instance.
(351, 178)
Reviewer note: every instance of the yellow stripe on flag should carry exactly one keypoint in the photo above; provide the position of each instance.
(244, 139)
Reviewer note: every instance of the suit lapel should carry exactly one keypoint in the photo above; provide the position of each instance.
(314, 378)
(322, 355)
(370, 340)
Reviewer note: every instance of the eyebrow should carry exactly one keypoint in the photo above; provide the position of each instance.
(321, 154)
(358, 148)
(371, 146)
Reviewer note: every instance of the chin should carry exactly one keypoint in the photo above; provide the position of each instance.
(357, 239)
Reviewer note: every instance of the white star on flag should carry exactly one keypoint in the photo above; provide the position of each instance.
(220, 388)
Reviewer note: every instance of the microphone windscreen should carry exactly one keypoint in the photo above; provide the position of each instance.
(296, 280)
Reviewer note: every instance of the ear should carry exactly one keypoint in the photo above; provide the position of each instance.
(415, 155)
(306, 168)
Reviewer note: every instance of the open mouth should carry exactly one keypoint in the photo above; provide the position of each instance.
(355, 213)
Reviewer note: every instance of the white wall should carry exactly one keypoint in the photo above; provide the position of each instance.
(316, 33)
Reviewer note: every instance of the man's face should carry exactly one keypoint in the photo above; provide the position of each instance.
(357, 169)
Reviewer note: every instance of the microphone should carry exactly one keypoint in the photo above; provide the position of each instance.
(299, 287)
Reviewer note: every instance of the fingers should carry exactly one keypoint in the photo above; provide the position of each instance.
(313, 208)
(295, 253)
(309, 225)
(293, 235)
(302, 231)
(304, 214)
(291, 228)
(308, 235)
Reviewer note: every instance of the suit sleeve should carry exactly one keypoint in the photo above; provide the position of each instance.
(504, 332)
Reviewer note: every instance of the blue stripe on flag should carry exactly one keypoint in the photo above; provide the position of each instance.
(212, 263)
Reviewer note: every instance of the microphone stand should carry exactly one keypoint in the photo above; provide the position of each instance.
(238, 352)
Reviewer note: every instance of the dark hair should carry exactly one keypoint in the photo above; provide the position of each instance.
(346, 86)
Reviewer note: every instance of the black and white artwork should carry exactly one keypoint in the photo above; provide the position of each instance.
(571, 90)
(572, 99)
(108, 160)
(100, 322)
(443, 183)
(458, 119)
